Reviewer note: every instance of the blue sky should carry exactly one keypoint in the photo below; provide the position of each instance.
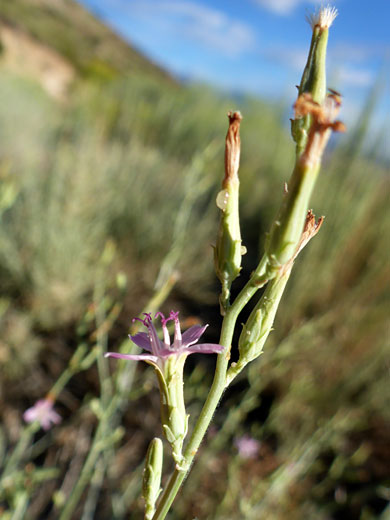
(258, 46)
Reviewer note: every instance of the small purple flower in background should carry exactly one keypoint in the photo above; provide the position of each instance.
(159, 351)
(43, 412)
(247, 446)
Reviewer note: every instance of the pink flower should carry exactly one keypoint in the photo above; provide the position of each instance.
(168, 361)
(43, 412)
(247, 447)
(159, 351)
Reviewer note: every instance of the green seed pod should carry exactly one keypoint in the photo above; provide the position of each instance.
(152, 476)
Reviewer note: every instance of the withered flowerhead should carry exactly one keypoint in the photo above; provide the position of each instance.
(323, 122)
(310, 229)
(232, 148)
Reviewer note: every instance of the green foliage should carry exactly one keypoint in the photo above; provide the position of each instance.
(140, 164)
(119, 163)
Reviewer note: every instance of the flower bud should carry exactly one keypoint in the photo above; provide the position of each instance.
(152, 476)
(259, 324)
(228, 251)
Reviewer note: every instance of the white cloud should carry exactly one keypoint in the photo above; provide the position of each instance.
(358, 53)
(355, 77)
(347, 68)
(284, 7)
(188, 19)
(292, 57)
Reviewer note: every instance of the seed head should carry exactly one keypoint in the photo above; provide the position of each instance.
(323, 17)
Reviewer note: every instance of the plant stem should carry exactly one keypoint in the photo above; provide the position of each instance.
(90, 462)
(19, 451)
(111, 416)
(20, 506)
(222, 378)
(257, 280)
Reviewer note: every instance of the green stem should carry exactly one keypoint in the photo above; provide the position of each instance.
(259, 325)
(19, 451)
(203, 422)
(89, 465)
(94, 490)
(257, 280)
(19, 511)
(106, 389)
(287, 228)
(73, 367)
(282, 245)
(111, 416)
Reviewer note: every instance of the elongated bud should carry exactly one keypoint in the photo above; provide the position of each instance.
(314, 75)
(152, 476)
(256, 330)
(228, 251)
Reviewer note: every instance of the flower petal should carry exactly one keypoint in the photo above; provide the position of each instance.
(45, 423)
(133, 357)
(55, 417)
(43, 412)
(166, 352)
(30, 415)
(142, 341)
(205, 348)
(192, 335)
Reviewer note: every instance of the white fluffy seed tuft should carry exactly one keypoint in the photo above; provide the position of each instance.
(324, 17)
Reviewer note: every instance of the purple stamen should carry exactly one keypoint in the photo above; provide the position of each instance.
(175, 316)
(164, 321)
(160, 315)
(144, 321)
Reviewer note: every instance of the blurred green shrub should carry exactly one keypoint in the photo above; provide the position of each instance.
(117, 161)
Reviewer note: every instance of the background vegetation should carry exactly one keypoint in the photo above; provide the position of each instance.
(117, 180)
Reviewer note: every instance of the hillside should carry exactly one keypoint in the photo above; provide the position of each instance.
(38, 32)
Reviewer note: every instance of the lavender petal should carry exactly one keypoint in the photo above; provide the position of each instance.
(133, 357)
(205, 348)
(142, 341)
(192, 335)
